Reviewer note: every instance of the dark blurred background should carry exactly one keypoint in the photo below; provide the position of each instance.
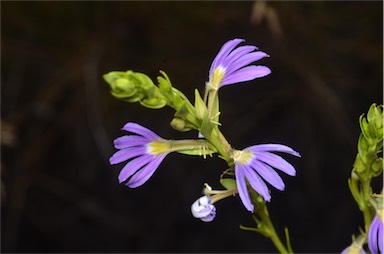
(58, 121)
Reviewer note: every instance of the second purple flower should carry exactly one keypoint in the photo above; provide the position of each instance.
(255, 164)
(231, 65)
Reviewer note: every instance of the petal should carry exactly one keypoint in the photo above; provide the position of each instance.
(126, 154)
(372, 235)
(201, 207)
(145, 173)
(128, 141)
(223, 53)
(257, 183)
(245, 60)
(210, 216)
(269, 175)
(242, 188)
(138, 129)
(246, 74)
(380, 235)
(273, 148)
(375, 235)
(237, 53)
(133, 166)
(276, 162)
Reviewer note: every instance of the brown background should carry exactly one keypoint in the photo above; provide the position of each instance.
(58, 121)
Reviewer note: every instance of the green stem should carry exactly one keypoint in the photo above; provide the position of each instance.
(367, 207)
(265, 225)
(188, 144)
(212, 94)
(272, 233)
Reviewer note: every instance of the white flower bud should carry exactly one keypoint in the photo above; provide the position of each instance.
(203, 209)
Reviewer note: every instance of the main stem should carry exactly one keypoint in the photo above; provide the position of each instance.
(367, 211)
(264, 215)
(277, 242)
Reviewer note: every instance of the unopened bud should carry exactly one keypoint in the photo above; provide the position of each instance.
(203, 209)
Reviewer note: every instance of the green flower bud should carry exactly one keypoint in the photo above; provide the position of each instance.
(377, 166)
(359, 165)
(373, 112)
(134, 86)
(362, 147)
(181, 125)
(165, 84)
(372, 125)
(187, 112)
(128, 86)
(365, 129)
(123, 88)
(154, 103)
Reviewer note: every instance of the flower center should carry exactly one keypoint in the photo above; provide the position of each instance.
(243, 157)
(158, 147)
(217, 77)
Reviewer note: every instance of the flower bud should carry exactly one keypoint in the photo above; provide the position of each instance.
(128, 85)
(134, 86)
(372, 124)
(377, 166)
(181, 125)
(359, 165)
(203, 209)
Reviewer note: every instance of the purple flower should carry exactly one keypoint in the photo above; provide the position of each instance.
(231, 65)
(375, 235)
(255, 164)
(146, 149)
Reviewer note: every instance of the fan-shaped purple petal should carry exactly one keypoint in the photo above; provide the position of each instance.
(246, 74)
(130, 140)
(126, 154)
(138, 129)
(242, 188)
(133, 166)
(244, 61)
(276, 162)
(269, 175)
(223, 53)
(145, 173)
(237, 53)
(273, 148)
(257, 183)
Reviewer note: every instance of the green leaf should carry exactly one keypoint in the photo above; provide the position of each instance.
(228, 183)
(201, 108)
